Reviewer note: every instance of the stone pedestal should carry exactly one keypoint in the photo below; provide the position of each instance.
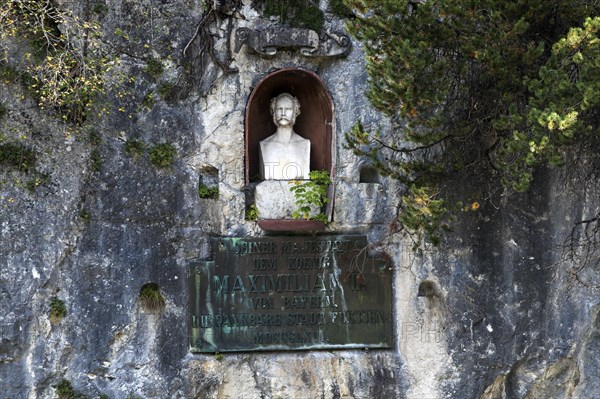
(274, 200)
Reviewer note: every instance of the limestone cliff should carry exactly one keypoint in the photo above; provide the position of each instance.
(499, 310)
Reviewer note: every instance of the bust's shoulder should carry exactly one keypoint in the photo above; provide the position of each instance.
(271, 139)
(296, 138)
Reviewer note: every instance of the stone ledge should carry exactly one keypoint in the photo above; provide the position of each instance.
(291, 225)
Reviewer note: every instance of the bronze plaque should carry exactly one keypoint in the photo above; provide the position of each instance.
(290, 293)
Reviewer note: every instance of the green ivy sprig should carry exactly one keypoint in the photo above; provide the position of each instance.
(311, 194)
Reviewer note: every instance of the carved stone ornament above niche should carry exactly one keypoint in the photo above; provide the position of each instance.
(268, 42)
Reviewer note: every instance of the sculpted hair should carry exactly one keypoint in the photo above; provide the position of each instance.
(294, 101)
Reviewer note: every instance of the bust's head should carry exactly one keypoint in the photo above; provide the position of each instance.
(285, 108)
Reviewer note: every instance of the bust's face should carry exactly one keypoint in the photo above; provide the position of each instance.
(284, 113)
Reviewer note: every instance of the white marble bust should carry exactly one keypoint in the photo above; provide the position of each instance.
(284, 155)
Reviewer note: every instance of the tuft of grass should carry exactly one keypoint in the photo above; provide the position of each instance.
(84, 215)
(162, 155)
(340, 9)
(154, 67)
(148, 101)
(100, 8)
(207, 192)
(135, 148)
(95, 160)
(94, 138)
(18, 156)
(36, 181)
(252, 212)
(58, 310)
(166, 90)
(8, 74)
(296, 13)
(310, 18)
(150, 298)
(65, 390)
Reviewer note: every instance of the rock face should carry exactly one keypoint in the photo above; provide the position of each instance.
(498, 311)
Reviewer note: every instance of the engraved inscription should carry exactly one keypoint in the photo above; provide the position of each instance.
(290, 293)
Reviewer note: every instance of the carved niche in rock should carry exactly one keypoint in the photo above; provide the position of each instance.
(313, 128)
(314, 122)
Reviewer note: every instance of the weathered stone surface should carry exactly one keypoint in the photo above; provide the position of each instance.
(274, 200)
(504, 316)
(328, 375)
(373, 208)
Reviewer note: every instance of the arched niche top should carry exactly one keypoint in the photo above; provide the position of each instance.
(313, 123)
